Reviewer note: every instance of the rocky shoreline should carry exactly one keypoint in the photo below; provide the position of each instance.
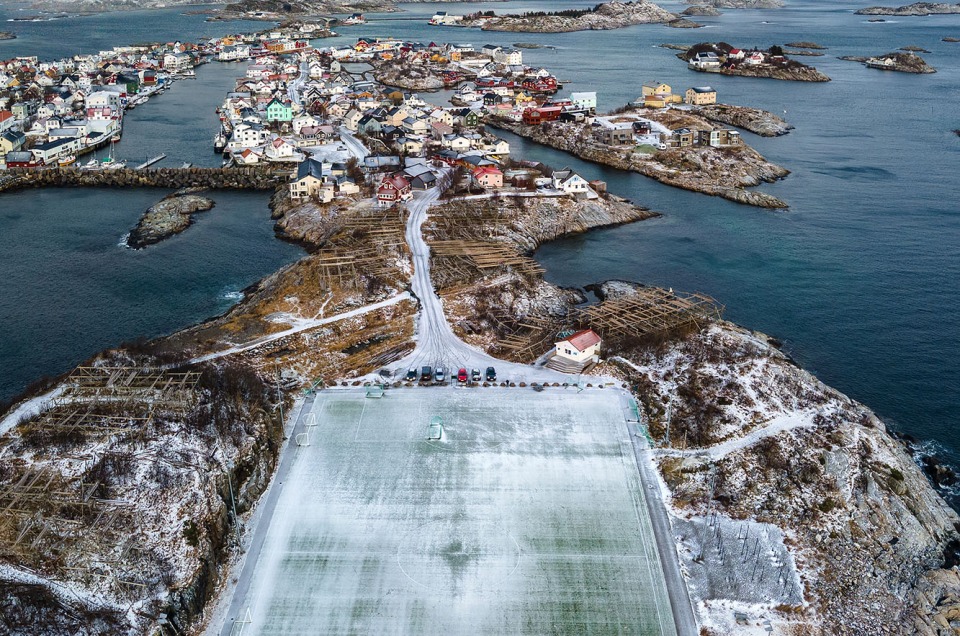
(896, 61)
(757, 121)
(169, 217)
(915, 9)
(606, 16)
(723, 172)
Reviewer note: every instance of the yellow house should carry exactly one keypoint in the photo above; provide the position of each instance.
(701, 96)
(522, 98)
(655, 88)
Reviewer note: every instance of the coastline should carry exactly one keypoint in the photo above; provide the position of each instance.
(666, 170)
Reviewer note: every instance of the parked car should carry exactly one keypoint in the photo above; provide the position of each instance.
(462, 376)
(475, 375)
(411, 374)
(425, 374)
(439, 376)
(491, 374)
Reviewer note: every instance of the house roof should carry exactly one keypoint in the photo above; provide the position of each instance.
(583, 340)
(703, 89)
(310, 167)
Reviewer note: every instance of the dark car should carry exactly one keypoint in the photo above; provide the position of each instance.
(475, 375)
(426, 374)
(491, 374)
(462, 376)
(411, 374)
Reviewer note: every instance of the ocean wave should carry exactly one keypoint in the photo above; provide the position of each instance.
(232, 295)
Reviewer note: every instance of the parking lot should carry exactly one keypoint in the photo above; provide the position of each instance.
(451, 511)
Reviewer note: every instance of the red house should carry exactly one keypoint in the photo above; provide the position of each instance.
(393, 189)
(537, 116)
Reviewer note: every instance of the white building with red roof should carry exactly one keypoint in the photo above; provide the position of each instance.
(576, 352)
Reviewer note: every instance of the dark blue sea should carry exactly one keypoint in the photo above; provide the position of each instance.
(860, 277)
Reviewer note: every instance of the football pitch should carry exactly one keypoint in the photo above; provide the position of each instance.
(526, 516)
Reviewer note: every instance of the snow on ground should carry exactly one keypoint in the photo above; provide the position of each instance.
(527, 517)
(299, 324)
(30, 408)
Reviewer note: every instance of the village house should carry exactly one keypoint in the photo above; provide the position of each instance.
(700, 96)
(681, 138)
(620, 134)
(570, 182)
(279, 149)
(705, 60)
(278, 111)
(393, 189)
(308, 180)
(6, 120)
(718, 137)
(584, 101)
(576, 352)
(488, 177)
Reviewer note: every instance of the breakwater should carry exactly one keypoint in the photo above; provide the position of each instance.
(235, 178)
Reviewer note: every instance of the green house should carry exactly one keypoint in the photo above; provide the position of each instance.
(279, 111)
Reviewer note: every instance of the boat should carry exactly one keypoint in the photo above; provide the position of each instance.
(93, 164)
(219, 143)
(67, 160)
(186, 164)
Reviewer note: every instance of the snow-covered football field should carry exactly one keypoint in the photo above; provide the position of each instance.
(526, 517)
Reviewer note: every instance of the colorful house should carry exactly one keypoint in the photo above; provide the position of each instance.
(279, 111)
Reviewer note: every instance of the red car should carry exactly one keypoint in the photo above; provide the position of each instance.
(462, 376)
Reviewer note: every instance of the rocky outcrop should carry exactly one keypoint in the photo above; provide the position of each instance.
(805, 45)
(756, 439)
(606, 16)
(792, 72)
(172, 215)
(914, 49)
(740, 4)
(949, 39)
(759, 122)
(723, 172)
(683, 23)
(915, 9)
(699, 9)
(6, 35)
(400, 74)
(899, 62)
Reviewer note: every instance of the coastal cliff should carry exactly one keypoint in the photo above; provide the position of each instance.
(723, 172)
(606, 16)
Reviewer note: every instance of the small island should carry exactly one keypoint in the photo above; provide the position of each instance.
(7, 35)
(915, 9)
(950, 39)
(170, 216)
(900, 62)
(603, 17)
(700, 9)
(773, 63)
(739, 4)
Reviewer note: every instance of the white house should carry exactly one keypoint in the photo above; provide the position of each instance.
(582, 347)
(509, 57)
(584, 101)
(568, 181)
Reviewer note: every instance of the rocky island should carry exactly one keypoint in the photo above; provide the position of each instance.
(739, 4)
(605, 16)
(722, 170)
(7, 35)
(757, 121)
(172, 215)
(900, 62)
(915, 9)
(720, 57)
(700, 9)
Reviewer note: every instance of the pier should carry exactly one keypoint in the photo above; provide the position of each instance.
(152, 160)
